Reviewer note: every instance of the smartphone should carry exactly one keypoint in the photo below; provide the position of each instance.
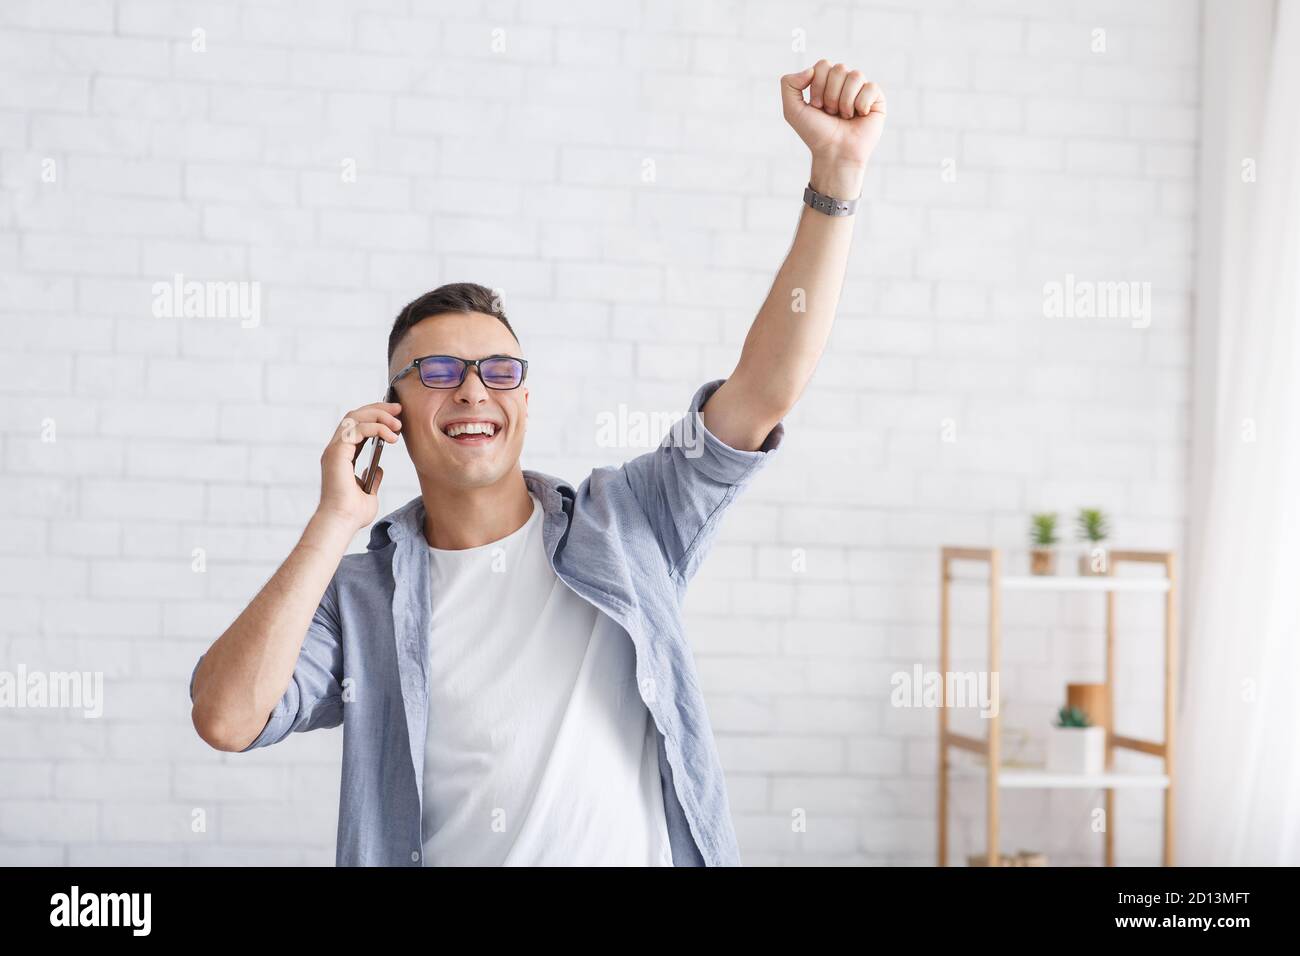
(367, 478)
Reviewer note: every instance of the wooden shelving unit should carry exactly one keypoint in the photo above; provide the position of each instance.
(1000, 778)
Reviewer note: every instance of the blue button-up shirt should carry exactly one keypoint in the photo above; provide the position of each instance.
(628, 540)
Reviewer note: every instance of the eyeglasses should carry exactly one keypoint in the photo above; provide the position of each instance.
(448, 371)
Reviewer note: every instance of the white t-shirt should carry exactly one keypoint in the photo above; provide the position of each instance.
(540, 750)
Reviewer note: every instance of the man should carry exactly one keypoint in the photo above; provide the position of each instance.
(507, 656)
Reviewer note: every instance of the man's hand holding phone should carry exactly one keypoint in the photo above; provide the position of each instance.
(342, 494)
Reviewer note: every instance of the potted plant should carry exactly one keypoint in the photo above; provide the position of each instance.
(1075, 744)
(1093, 527)
(1043, 535)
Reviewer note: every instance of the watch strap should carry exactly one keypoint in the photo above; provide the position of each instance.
(829, 204)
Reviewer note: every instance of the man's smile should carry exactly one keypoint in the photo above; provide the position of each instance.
(471, 431)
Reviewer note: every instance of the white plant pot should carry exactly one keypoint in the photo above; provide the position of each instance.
(1076, 750)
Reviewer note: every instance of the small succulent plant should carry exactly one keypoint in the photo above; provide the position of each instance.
(1072, 717)
(1092, 525)
(1042, 531)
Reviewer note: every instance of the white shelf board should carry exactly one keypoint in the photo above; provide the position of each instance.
(1052, 582)
(1039, 778)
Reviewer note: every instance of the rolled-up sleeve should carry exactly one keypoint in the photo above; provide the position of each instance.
(686, 484)
(314, 697)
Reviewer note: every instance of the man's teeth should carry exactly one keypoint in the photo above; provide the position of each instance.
(471, 428)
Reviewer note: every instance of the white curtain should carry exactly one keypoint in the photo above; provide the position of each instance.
(1238, 755)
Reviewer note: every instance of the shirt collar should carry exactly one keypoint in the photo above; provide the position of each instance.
(555, 494)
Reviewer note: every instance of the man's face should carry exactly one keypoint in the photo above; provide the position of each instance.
(472, 461)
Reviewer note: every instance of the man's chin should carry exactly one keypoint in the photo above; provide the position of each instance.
(467, 475)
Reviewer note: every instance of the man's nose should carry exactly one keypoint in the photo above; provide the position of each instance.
(472, 388)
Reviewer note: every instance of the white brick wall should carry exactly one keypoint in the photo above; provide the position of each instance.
(522, 169)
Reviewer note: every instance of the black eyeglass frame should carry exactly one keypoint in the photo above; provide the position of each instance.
(465, 365)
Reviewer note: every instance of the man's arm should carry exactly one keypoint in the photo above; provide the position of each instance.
(248, 670)
(244, 674)
(840, 124)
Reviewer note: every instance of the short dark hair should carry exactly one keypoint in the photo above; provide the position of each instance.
(455, 297)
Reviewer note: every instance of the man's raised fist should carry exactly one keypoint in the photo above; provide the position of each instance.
(840, 123)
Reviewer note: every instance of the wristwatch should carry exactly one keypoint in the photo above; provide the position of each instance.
(829, 204)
